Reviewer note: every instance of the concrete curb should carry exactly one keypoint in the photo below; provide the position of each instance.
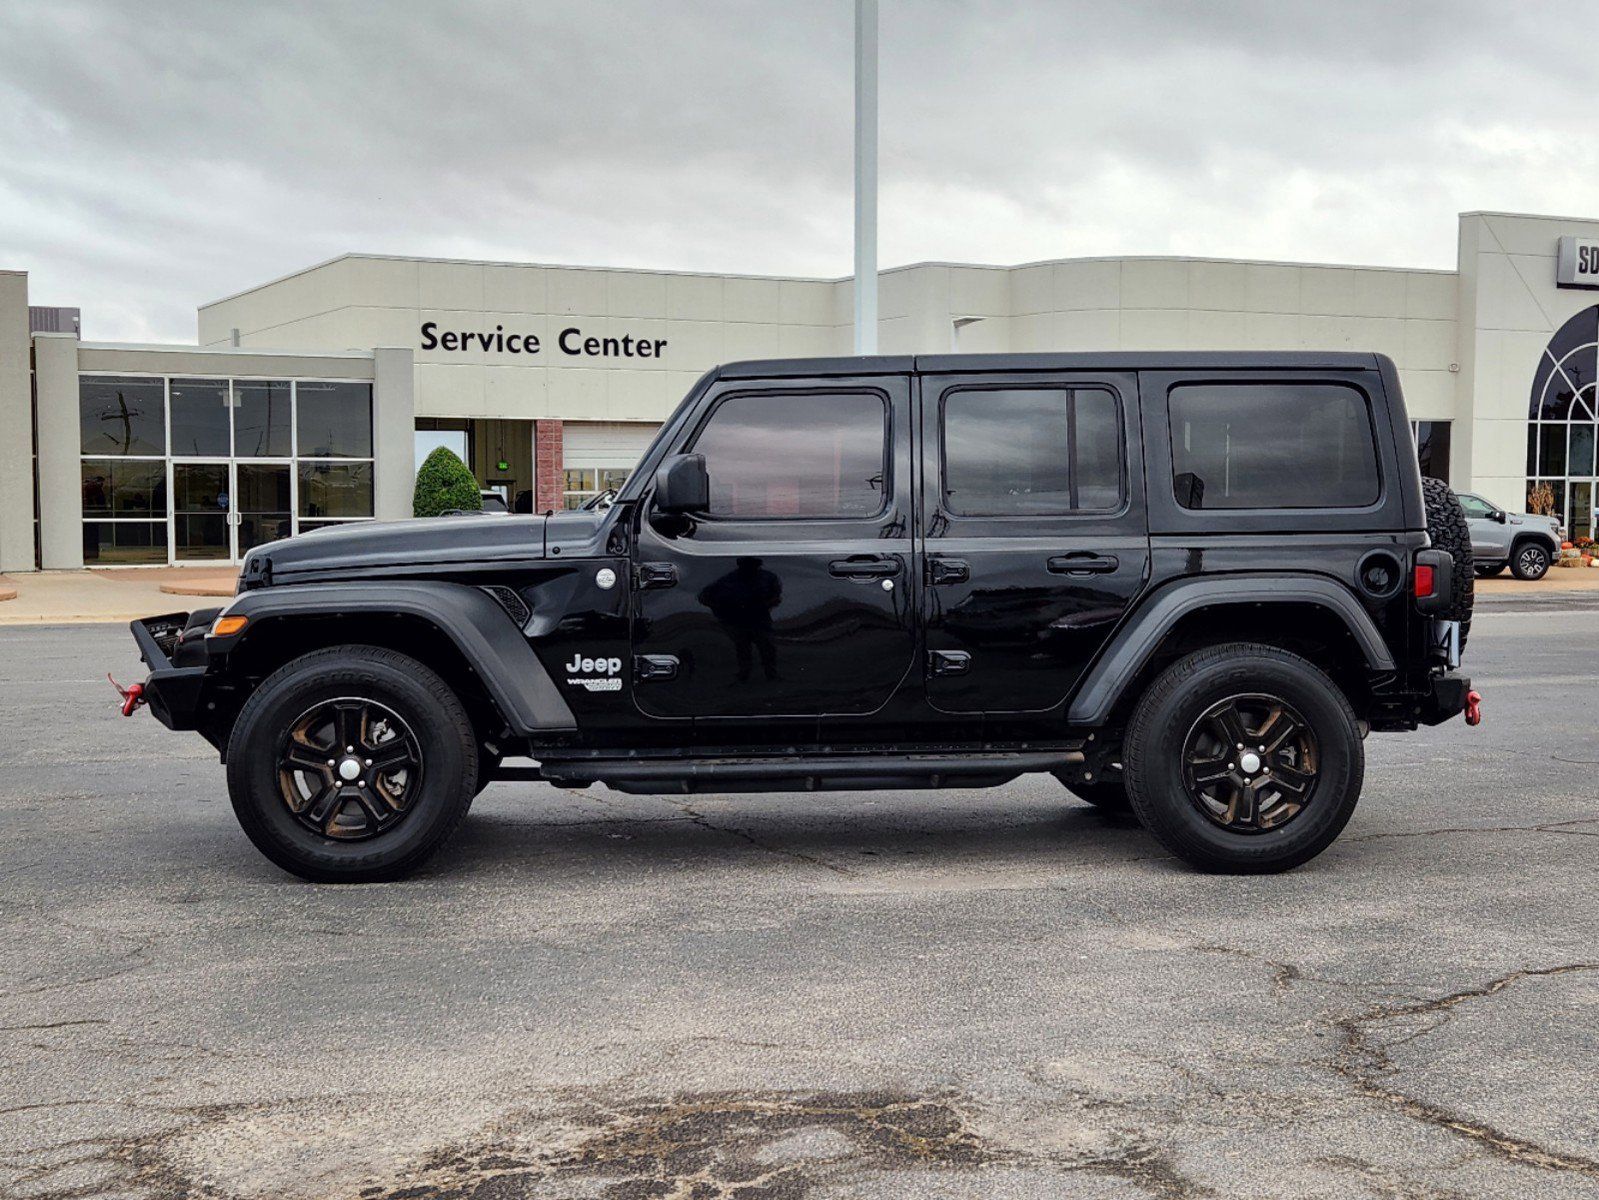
(198, 589)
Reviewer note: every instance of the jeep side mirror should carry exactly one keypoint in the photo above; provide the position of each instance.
(1500, 516)
(682, 484)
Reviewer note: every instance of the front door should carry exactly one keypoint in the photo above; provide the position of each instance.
(202, 512)
(1034, 529)
(794, 594)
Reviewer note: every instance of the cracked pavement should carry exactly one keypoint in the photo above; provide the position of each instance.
(945, 994)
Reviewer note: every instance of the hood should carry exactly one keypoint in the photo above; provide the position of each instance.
(363, 547)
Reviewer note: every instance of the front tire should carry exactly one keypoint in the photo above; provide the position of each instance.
(351, 764)
(1243, 758)
(1530, 561)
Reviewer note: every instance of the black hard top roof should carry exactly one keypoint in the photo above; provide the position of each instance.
(1118, 360)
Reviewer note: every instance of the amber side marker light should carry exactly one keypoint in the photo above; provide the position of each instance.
(228, 626)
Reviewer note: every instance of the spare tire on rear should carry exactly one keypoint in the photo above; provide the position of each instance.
(1447, 528)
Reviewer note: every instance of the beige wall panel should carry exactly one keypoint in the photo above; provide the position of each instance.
(635, 294)
(978, 291)
(1154, 283)
(577, 293)
(515, 393)
(694, 297)
(1090, 329)
(1432, 296)
(1273, 288)
(1218, 285)
(446, 285)
(1429, 395)
(516, 289)
(1091, 284)
(1155, 329)
(757, 301)
(1217, 330)
(1032, 289)
(1429, 345)
(1327, 291)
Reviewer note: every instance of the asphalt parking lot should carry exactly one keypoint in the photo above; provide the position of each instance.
(973, 994)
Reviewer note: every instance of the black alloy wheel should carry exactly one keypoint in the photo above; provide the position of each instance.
(348, 768)
(352, 764)
(1250, 763)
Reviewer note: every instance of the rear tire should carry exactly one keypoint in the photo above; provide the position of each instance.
(1301, 779)
(1448, 531)
(1530, 561)
(378, 805)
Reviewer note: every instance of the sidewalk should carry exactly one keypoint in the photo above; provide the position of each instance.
(63, 597)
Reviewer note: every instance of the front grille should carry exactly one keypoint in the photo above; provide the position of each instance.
(512, 603)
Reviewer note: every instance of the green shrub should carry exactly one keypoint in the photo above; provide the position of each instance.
(444, 483)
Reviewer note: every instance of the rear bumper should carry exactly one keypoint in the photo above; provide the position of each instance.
(1445, 699)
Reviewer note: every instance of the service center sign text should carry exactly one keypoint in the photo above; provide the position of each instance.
(1577, 264)
(571, 341)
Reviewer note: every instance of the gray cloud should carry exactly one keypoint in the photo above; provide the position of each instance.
(156, 156)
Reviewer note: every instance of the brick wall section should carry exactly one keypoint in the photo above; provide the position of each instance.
(547, 465)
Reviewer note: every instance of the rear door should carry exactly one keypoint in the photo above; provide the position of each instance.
(1034, 533)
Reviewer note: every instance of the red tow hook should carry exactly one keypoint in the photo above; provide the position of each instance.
(133, 695)
(1473, 707)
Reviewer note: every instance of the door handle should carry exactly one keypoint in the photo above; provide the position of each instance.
(1083, 563)
(863, 567)
(657, 575)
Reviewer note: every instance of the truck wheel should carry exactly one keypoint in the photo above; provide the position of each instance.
(1448, 531)
(351, 764)
(1243, 758)
(1529, 561)
(1110, 796)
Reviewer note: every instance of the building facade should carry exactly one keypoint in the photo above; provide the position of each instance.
(550, 380)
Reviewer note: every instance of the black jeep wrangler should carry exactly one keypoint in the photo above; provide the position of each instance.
(1184, 584)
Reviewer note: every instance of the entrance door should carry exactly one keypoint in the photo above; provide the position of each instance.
(794, 594)
(1035, 533)
(263, 504)
(201, 509)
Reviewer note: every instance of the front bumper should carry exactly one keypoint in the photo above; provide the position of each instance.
(169, 646)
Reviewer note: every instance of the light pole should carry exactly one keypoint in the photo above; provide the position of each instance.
(865, 176)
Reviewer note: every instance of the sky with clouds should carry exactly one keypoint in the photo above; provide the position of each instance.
(157, 156)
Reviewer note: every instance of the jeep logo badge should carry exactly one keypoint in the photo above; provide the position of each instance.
(609, 670)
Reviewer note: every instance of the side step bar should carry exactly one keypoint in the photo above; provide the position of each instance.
(814, 773)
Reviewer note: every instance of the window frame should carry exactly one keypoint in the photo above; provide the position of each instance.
(1292, 511)
(691, 440)
(1122, 483)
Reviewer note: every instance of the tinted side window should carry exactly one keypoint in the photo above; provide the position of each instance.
(1272, 445)
(1031, 451)
(797, 455)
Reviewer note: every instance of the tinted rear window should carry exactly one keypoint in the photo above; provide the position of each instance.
(1031, 451)
(1272, 445)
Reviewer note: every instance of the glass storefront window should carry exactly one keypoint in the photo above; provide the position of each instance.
(334, 420)
(124, 543)
(177, 469)
(261, 416)
(121, 487)
(200, 417)
(335, 490)
(122, 415)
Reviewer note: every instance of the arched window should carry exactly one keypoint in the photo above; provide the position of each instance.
(1563, 419)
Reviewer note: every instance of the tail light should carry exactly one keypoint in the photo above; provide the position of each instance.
(1424, 582)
